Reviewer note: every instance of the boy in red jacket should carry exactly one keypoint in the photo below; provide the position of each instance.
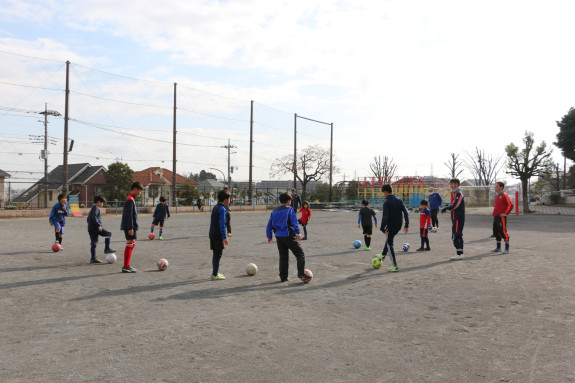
(501, 209)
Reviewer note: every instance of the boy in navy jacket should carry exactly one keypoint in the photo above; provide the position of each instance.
(457, 208)
(130, 225)
(161, 213)
(95, 230)
(283, 222)
(391, 223)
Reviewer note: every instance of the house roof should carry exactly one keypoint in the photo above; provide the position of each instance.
(211, 184)
(77, 173)
(161, 176)
(3, 174)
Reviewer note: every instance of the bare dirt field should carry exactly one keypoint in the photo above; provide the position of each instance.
(486, 318)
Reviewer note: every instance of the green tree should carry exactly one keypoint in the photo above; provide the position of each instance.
(119, 178)
(312, 164)
(351, 191)
(527, 162)
(566, 135)
(202, 175)
(187, 194)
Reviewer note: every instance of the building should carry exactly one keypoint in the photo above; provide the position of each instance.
(158, 182)
(84, 181)
(3, 199)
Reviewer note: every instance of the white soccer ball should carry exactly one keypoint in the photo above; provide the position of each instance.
(435, 229)
(111, 258)
(405, 246)
(251, 269)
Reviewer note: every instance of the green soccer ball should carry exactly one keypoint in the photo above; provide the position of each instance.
(376, 263)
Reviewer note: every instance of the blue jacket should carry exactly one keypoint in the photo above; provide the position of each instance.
(129, 214)
(457, 206)
(218, 223)
(435, 201)
(393, 210)
(282, 222)
(94, 220)
(58, 214)
(161, 211)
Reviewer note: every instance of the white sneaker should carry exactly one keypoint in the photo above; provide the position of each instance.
(457, 256)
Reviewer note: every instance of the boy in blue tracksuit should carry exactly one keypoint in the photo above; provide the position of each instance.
(161, 213)
(435, 202)
(391, 223)
(283, 222)
(95, 230)
(457, 208)
(58, 218)
(364, 219)
(218, 233)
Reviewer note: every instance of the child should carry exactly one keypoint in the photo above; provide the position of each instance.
(228, 216)
(391, 222)
(501, 209)
(160, 216)
(305, 217)
(130, 225)
(95, 229)
(457, 208)
(435, 202)
(218, 233)
(365, 214)
(58, 218)
(283, 222)
(424, 226)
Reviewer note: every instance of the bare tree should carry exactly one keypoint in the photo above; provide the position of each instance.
(454, 166)
(483, 168)
(312, 165)
(383, 167)
(526, 163)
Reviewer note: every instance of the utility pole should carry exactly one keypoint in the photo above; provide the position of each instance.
(66, 116)
(174, 179)
(228, 146)
(251, 149)
(46, 112)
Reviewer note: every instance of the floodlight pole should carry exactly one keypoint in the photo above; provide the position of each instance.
(295, 151)
(251, 149)
(174, 180)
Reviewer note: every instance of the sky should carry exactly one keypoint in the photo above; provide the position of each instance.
(413, 80)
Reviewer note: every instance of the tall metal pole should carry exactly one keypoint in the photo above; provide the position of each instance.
(66, 115)
(229, 174)
(174, 180)
(45, 155)
(331, 163)
(295, 151)
(251, 149)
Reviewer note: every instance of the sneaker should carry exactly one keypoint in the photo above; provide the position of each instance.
(457, 256)
(95, 260)
(393, 269)
(284, 280)
(420, 249)
(230, 234)
(506, 251)
(496, 250)
(129, 269)
(160, 238)
(218, 277)
(109, 251)
(381, 257)
(304, 239)
(493, 236)
(367, 248)
(427, 248)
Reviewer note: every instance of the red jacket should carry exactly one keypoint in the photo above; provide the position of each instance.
(305, 215)
(502, 205)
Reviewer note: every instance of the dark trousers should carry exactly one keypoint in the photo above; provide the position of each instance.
(434, 220)
(94, 241)
(500, 230)
(423, 234)
(457, 234)
(389, 245)
(285, 244)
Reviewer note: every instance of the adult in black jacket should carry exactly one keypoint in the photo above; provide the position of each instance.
(295, 200)
(391, 222)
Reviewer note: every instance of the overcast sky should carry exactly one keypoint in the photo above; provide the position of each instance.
(411, 80)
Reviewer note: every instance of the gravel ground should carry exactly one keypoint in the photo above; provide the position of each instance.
(486, 318)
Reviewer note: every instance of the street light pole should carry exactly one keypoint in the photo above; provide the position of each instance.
(223, 175)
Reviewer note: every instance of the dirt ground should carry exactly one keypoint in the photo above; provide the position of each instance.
(486, 318)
